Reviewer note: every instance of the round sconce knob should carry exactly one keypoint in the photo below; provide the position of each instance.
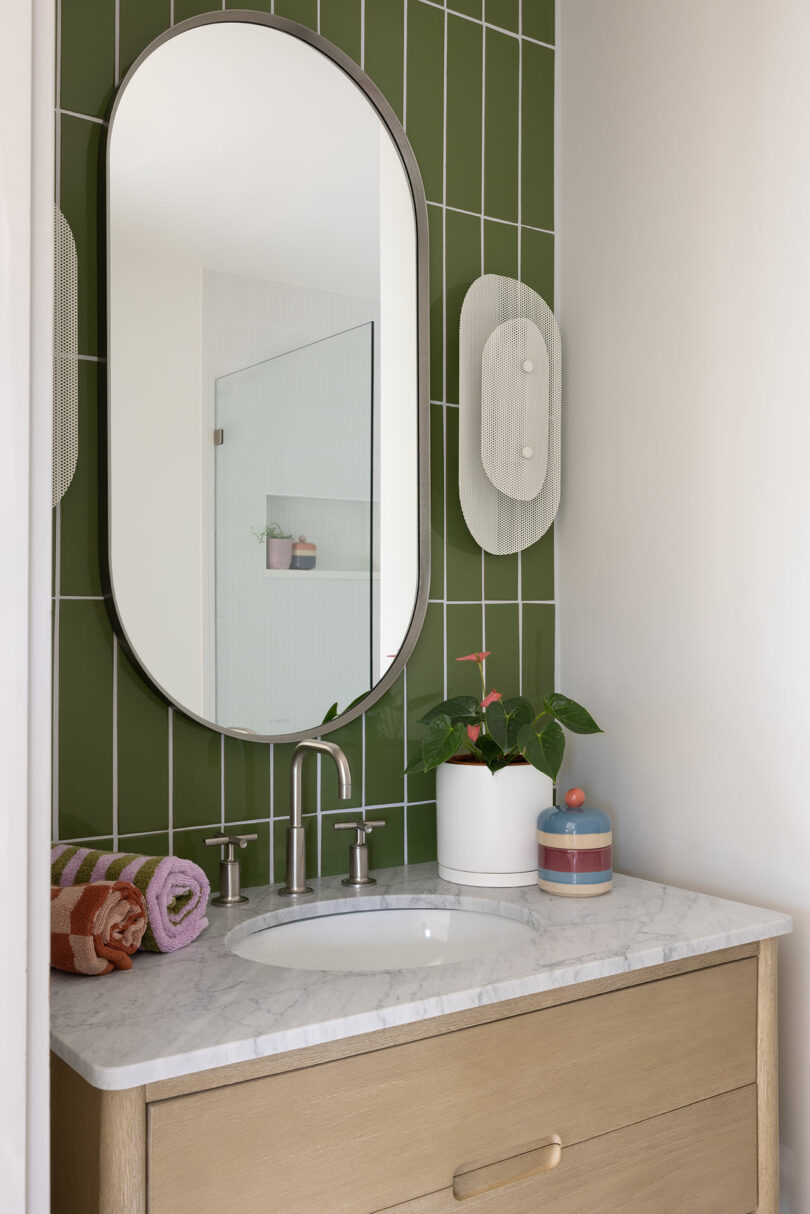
(527, 452)
(528, 365)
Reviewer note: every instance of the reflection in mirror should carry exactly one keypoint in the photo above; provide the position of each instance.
(263, 404)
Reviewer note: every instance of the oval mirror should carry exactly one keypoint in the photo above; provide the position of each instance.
(267, 457)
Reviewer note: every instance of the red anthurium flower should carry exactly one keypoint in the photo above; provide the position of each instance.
(473, 731)
(491, 698)
(474, 657)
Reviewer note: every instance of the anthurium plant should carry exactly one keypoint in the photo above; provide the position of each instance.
(499, 732)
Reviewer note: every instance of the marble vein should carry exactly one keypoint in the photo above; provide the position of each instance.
(205, 1007)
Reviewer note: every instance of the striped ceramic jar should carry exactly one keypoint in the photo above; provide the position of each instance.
(574, 848)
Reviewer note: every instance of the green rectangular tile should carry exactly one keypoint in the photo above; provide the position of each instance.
(257, 6)
(503, 13)
(500, 576)
(421, 833)
(143, 753)
(436, 260)
(463, 554)
(280, 847)
(350, 740)
(501, 126)
(183, 9)
(154, 844)
(425, 687)
(254, 859)
(425, 120)
(341, 22)
(384, 42)
(385, 729)
(85, 719)
(196, 774)
(87, 56)
(282, 761)
(538, 20)
(436, 501)
(335, 843)
(538, 569)
(537, 262)
(472, 8)
(94, 844)
(538, 651)
(503, 643)
(79, 545)
(465, 47)
(465, 635)
(500, 248)
(305, 12)
(247, 780)
(538, 136)
(386, 846)
(79, 196)
(463, 266)
(140, 22)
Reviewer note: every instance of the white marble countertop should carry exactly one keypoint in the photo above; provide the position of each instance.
(205, 1007)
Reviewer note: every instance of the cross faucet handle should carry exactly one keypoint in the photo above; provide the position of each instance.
(230, 893)
(358, 851)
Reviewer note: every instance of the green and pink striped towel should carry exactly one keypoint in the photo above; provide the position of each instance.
(176, 891)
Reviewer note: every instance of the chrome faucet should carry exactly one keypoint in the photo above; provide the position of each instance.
(296, 881)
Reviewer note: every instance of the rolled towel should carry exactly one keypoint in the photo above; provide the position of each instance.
(95, 928)
(176, 890)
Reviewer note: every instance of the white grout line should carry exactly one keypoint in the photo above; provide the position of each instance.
(84, 117)
(272, 801)
(317, 15)
(405, 802)
(57, 575)
(80, 598)
(171, 779)
(118, 41)
(483, 204)
(115, 744)
(222, 781)
(405, 65)
(519, 268)
(444, 353)
(501, 29)
(171, 12)
(363, 34)
(509, 223)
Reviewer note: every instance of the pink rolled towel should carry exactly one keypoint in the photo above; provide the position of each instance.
(176, 891)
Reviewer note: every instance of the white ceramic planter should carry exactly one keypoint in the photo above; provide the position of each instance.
(486, 825)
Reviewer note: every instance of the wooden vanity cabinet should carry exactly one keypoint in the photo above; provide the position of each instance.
(653, 1091)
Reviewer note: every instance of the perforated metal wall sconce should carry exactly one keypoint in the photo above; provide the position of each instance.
(509, 414)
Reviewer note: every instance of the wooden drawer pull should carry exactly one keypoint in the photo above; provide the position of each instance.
(472, 1182)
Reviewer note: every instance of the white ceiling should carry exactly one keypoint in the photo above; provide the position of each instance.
(242, 149)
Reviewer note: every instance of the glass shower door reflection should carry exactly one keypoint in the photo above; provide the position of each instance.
(296, 453)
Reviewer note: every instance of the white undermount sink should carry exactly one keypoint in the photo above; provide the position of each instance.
(379, 938)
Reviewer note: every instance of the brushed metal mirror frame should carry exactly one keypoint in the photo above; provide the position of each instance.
(397, 133)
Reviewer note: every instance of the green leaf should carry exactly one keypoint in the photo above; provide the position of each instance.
(460, 708)
(331, 714)
(518, 703)
(441, 742)
(570, 714)
(417, 763)
(497, 724)
(543, 750)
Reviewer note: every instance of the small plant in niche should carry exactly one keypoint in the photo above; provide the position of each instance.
(278, 546)
(271, 532)
(498, 732)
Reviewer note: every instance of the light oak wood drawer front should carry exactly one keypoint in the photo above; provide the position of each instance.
(364, 1133)
(697, 1160)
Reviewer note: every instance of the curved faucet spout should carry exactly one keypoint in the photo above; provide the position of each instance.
(296, 833)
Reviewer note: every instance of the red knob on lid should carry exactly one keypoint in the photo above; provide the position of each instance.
(574, 798)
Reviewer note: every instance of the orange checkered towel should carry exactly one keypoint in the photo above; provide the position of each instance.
(96, 927)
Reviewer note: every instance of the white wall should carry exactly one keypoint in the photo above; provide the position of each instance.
(684, 536)
(156, 438)
(26, 310)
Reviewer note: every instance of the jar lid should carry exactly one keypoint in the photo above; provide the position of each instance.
(301, 545)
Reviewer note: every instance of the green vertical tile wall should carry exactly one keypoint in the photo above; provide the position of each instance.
(477, 104)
